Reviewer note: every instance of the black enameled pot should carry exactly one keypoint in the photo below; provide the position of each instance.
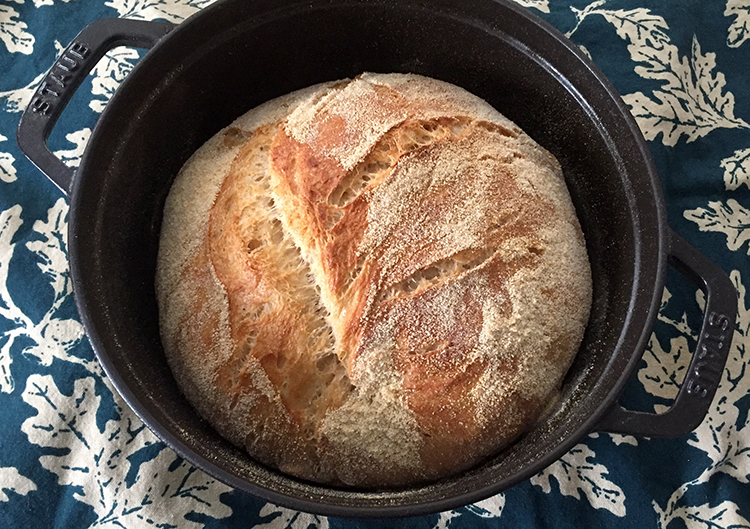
(236, 54)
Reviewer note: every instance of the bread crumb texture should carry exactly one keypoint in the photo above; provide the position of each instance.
(373, 282)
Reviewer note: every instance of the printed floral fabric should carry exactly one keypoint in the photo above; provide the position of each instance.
(73, 455)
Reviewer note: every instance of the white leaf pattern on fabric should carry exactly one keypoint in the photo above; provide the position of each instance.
(7, 170)
(11, 480)
(289, 519)
(690, 102)
(56, 336)
(169, 10)
(40, 3)
(682, 324)
(664, 370)
(72, 157)
(541, 5)
(13, 32)
(574, 472)
(620, 439)
(723, 516)
(694, 107)
(739, 30)
(120, 472)
(108, 73)
(737, 169)
(17, 100)
(10, 221)
(51, 250)
(724, 435)
(445, 519)
(51, 337)
(581, 14)
(730, 218)
(492, 507)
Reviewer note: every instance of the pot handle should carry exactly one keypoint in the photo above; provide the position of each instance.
(64, 78)
(707, 364)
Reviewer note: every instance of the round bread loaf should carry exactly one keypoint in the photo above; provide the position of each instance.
(372, 282)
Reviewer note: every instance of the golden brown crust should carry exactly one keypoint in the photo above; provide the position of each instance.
(396, 279)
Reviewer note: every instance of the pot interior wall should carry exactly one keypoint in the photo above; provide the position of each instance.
(238, 54)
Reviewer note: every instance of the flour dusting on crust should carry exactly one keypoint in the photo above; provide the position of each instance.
(372, 282)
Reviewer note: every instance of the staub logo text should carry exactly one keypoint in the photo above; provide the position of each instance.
(58, 77)
(706, 370)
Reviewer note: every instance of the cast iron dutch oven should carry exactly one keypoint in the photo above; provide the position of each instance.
(236, 54)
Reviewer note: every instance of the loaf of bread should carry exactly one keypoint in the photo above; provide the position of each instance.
(372, 282)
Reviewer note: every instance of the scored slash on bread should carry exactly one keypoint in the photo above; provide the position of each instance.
(372, 282)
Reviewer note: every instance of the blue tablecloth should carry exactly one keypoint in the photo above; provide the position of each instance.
(72, 455)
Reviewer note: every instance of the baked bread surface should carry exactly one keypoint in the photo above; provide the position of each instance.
(372, 282)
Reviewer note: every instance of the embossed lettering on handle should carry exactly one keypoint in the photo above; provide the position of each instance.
(704, 373)
(50, 90)
(65, 76)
